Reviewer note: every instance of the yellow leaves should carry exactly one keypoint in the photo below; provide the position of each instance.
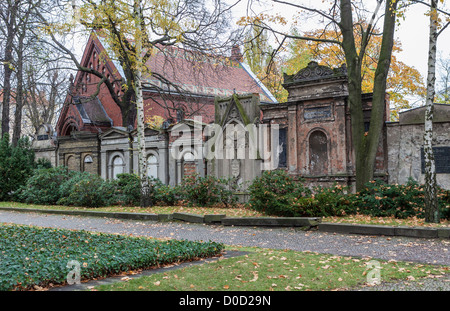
(402, 82)
(262, 17)
(154, 121)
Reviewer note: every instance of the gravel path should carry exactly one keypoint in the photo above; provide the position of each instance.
(431, 251)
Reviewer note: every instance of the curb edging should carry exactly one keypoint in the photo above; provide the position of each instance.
(304, 223)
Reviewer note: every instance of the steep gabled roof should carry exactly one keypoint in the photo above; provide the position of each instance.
(204, 75)
(196, 73)
(91, 111)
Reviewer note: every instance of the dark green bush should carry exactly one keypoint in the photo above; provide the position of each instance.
(165, 195)
(128, 189)
(380, 199)
(323, 202)
(16, 166)
(88, 190)
(275, 192)
(444, 196)
(206, 191)
(43, 187)
(43, 163)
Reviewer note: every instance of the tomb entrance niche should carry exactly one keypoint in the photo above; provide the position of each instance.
(318, 153)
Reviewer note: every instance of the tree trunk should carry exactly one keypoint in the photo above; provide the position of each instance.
(354, 64)
(146, 198)
(431, 202)
(17, 129)
(8, 60)
(366, 143)
(377, 115)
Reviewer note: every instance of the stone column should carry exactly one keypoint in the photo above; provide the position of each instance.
(163, 170)
(292, 139)
(127, 161)
(103, 165)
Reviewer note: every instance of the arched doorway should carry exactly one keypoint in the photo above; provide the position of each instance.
(152, 166)
(318, 153)
(117, 166)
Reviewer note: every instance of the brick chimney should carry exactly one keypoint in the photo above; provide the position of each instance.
(236, 54)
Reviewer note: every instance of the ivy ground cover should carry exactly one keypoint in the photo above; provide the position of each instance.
(32, 256)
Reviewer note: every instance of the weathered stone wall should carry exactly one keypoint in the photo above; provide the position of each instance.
(80, 152)
(318, 122)
(405, 140)
(44, 144)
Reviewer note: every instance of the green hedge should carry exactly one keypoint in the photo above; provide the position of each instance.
(400, 201)
(39, 256)
(276, 193)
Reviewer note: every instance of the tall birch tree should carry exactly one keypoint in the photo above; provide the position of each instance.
(431, 200)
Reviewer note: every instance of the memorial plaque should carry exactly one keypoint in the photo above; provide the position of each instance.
(42, 137)
(441, 159)
(317, 113)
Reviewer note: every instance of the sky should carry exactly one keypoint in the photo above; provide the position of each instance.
(413, 32)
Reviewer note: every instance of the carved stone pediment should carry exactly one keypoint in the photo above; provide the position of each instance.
(314, 71)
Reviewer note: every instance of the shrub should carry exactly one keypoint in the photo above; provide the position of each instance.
(128, 189)
(323, 202)
(400, 201)
(43, 163)
(16, 165)
(444, 196)
(43, 187)
(164, 194)
(206, 191)
(275, 192)
(88, 190)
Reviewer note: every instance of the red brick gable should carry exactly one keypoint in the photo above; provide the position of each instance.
(194, 83)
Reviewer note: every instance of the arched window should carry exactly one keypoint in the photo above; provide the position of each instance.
(88, 164)
(318, 153)
(117, 166)
(188, 157)
(152, 166)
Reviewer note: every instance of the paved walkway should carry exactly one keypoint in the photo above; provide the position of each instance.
(432, 251)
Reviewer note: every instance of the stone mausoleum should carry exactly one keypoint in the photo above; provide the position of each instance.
(309, 135)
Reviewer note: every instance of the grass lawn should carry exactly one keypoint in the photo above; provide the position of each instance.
(237, 212)
(231, 212)
(277, 270)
